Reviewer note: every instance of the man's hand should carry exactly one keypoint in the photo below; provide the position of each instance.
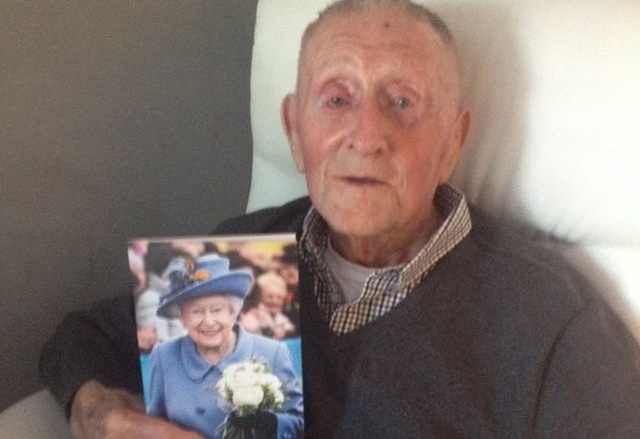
(98, 412)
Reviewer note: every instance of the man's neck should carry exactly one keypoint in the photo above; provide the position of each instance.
(386, 251)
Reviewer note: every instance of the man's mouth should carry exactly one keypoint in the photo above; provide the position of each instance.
(361, 181)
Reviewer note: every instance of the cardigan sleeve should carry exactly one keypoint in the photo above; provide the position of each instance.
(99, 344)
(591, 388)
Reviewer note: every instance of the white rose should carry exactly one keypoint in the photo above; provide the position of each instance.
(278, 397)
(269, 379)
(248, 396)
(271, 382)
(231, 370)
(243, 378)
(221, 386)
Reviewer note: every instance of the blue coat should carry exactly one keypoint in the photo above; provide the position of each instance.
(182, 383)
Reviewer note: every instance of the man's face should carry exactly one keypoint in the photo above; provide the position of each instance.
(273, 298)
(375, 123)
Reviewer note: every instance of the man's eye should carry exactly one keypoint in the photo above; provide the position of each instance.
(336, 101)
(401, 102)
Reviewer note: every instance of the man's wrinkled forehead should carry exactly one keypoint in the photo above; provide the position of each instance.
(383, 27)
(404, 8)
(333, 22)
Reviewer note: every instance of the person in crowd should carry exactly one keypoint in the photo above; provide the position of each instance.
(260, 259)
(151, 328)
(287, 267)
(267, 316)
(137, 270)
(147, 335)
(421, 317)
(207, 297)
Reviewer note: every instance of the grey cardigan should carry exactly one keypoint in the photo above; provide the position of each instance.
(501, 340)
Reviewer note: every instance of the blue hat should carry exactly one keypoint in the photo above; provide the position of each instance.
(207, 275)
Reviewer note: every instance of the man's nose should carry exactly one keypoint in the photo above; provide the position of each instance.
(370, 129)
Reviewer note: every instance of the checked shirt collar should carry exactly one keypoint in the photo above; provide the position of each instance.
(386, 287)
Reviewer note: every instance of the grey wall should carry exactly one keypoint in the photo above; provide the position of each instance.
(117, 119)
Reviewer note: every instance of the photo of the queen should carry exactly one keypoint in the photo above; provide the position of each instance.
(186, 374)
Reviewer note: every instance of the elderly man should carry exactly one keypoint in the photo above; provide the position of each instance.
(420, 317)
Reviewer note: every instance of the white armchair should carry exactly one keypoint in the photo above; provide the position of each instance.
(38, 416)
(555, 141)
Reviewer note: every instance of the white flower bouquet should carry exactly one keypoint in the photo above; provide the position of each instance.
(250, 390)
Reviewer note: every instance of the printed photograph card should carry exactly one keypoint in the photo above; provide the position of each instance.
(219, 334)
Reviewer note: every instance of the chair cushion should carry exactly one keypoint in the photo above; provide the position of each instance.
(37, 416)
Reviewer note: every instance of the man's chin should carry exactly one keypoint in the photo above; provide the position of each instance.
(357, 226)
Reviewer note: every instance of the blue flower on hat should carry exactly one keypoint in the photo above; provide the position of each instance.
(207, 275)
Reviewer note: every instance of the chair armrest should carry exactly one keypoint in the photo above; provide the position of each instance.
(38, 416)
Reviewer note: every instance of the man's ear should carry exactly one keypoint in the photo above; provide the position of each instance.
(456, 143)
(290, 127)
(464, 123)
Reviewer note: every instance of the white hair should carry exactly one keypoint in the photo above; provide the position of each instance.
(235, 303)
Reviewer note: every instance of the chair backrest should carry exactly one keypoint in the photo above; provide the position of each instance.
(553, 87)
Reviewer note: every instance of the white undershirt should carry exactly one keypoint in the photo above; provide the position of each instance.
(350, 277)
